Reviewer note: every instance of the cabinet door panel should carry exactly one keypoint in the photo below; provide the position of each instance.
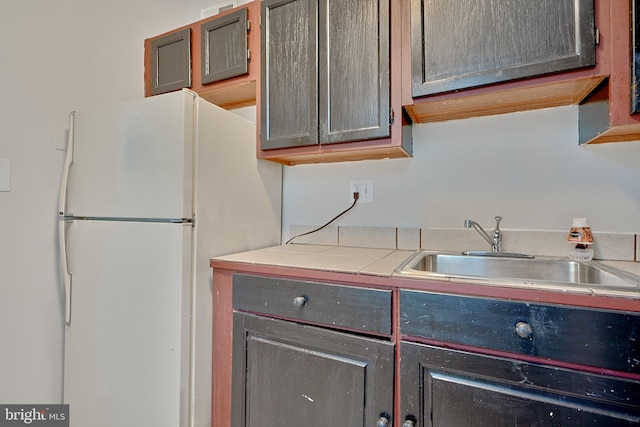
(290, 374)
(466, 43)
(311, 399)
(453, 388)
(354, 70)
(224, 47)
(289, 81)
(171, 62)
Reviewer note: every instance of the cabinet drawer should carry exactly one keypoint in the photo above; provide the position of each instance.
(601, 338)
(362, 309)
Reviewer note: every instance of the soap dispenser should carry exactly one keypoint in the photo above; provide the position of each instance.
(580, 235)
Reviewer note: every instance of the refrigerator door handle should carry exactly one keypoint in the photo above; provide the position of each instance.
(66, 275)
(64, 181)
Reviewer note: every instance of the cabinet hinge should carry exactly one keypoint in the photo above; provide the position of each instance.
(597, 34)
(248, 54)
(391, 116)
(248, 25)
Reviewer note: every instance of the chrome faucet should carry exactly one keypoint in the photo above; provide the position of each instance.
(495, 241)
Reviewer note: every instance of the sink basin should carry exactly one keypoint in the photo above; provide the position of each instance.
(519, 269)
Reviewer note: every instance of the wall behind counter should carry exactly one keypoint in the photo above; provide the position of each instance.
(524, 166)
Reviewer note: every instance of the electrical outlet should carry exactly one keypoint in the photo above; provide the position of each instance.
(364, 188)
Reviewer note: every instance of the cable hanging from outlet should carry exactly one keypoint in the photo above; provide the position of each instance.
(355, 200)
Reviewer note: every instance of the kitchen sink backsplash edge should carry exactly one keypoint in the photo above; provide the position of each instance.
(607, 246)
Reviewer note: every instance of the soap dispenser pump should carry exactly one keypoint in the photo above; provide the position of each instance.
(580, 235)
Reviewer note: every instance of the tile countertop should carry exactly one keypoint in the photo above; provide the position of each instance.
(383, 262)
(343, 259)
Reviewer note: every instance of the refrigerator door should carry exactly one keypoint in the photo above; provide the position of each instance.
(127, 346)
(134, 160)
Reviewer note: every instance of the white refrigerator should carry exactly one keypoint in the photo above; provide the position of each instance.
(151, 190)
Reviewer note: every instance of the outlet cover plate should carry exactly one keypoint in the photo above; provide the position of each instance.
(364, 188)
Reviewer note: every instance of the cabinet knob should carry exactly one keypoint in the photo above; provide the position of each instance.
(410, 421)
(523, 330)
(299, 301)
(383, 421)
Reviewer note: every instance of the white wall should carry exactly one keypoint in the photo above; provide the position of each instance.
(55, 57)
(524, 166)
(194, 7)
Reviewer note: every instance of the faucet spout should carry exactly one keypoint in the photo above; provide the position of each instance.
(495, 241)
(472, 224)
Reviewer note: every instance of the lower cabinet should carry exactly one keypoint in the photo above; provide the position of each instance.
(319, 354)
(444, 387)
(287, 373)
(472, 361)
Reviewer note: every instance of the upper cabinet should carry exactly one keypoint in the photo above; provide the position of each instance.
(170, 62)
(211, 57)
(224, 49)
(326, 81)
(464, 58)
(610, 114)
(467, 43)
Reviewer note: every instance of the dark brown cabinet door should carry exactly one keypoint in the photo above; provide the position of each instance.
(354, 70)
(224, 47)
(325, 72)
(442, 387)
(287, 374)
(289, 74)
(459, 44)
(171, 62)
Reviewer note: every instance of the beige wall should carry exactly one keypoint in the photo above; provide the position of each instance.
(524, 166)
(54, 57)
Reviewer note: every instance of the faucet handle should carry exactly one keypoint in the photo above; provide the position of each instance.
(498, 219)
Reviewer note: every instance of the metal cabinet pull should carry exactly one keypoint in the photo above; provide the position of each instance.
(383, 421)
(524, 330)
(410, 421)
(300, 301)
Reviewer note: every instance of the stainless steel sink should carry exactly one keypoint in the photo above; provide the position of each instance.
(536, 270)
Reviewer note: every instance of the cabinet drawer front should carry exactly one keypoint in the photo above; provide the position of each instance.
(363, 309)
(600, 338)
